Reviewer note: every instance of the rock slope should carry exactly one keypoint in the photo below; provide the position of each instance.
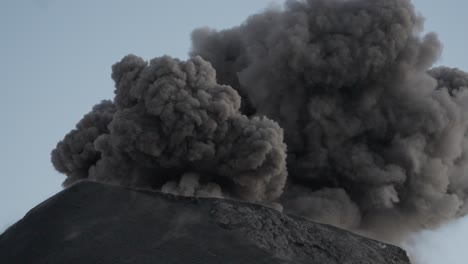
(97, 223)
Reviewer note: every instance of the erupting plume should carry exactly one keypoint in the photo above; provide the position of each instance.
(376, 140)
(170, 122)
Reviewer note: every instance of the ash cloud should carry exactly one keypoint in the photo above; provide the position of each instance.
(376, 139)
(452, 79)
(75, 154)
(171, 126)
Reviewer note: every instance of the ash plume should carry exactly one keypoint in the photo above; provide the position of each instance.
(376, 139)
(376, 143)
(171, 126)
(75, 154)
(452, 79)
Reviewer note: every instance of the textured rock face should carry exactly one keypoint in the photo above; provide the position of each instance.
(96, 223)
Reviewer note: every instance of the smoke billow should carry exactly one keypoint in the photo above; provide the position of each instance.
(76, 153)
(452, 79)
(370, 134)
(376, 139)
(171, 126)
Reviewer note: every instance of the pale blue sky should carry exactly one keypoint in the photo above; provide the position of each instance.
(56, 58)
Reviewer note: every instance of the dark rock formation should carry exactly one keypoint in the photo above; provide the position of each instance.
(97, 223)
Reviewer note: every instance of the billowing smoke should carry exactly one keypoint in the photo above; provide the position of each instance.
(171, 126)
(452, 79)
(376, 139)
(76, 153)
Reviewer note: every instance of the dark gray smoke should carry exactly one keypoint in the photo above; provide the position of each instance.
(452, 79)
(375, 143)
(171, 126)
(377, 140)
(76, 153)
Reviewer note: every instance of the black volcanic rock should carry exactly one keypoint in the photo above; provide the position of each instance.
(97, 223)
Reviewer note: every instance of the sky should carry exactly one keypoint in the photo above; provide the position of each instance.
(56, 58)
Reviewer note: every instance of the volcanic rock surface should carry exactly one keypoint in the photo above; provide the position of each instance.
(97, 223)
